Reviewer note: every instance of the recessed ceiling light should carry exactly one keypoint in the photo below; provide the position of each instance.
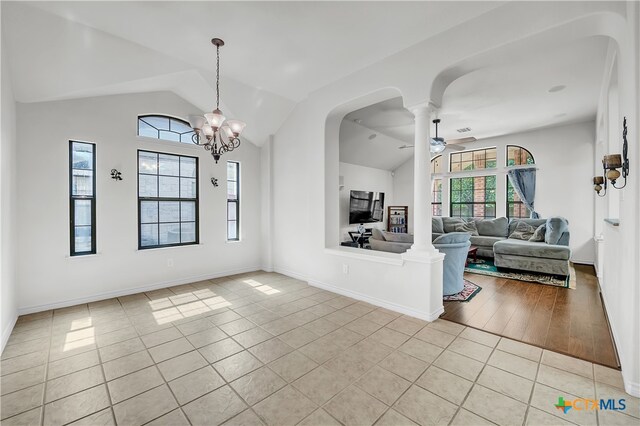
(372, 136)
(557, 88)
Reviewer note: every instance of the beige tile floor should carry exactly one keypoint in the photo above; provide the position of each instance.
(262, 348)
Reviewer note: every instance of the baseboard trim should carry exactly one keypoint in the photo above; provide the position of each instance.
(363, 297)
(292, 274)
(583, 262)
(125, 292)
(6, 333)
(379, 302)
(632, 388)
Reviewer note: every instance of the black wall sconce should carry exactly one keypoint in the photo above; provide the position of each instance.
(214, 182)
(610, 165)
(116, 175)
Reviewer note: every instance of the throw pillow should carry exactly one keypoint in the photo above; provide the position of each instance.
(469, 227)
(448, 223)
(498, 227)
(523, 231)
(538, 236)
(376, 234)
(436, 225)
(556, 226)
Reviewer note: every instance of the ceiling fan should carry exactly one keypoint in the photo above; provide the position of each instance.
(438, 144)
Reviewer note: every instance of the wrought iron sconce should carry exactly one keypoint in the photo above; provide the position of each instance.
(611, 164)
(116, 175)
(214, 182)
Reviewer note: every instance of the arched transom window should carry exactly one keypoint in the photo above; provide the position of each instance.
(436, 164)
(517, 156)
(165, 128)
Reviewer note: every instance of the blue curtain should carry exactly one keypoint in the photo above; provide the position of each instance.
(524, 183)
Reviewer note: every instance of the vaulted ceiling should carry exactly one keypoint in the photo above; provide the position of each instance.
(525, 87)
(276, 52)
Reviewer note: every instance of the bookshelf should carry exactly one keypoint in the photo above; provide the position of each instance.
(397, 219)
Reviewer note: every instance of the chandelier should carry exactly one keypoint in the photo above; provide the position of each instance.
(214, 131)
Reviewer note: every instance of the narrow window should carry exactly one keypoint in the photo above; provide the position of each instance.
(436, 197)
(233, 201)
(473, 196)
(167, 200)
(82, 191)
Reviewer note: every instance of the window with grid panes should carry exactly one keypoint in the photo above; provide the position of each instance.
(82, 197)
(167, 200)
(473, 197)
(479, 159)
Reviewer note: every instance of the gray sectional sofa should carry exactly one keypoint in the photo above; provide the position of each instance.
(550, 256)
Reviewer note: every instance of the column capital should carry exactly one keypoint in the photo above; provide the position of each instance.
(423, 109)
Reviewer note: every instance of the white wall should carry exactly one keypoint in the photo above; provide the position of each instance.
(564, 159)
(8, 207)
(47, 275)
(360, 178)
(306, 152)
(621, 244)
(403, 189)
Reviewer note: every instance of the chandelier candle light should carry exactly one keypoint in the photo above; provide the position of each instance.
(214, 131)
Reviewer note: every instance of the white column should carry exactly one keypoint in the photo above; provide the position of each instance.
(422, 182)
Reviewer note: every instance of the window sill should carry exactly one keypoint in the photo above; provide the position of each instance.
(152, 249)
(83, 256)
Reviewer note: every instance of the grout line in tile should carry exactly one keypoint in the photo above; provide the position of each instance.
(295, 297)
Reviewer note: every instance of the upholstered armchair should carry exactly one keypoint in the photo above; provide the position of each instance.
(455, 246)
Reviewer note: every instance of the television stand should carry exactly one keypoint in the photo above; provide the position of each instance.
(361, 240)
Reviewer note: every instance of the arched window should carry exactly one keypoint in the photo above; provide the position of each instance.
(165, 128)
(517, 156)
(436, 164)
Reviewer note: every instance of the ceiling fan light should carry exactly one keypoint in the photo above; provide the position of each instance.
(437, 145)
(437, 149)
(236, 127)
(215, 118)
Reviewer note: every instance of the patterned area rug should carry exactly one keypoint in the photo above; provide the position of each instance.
(486, 267)
(470, 289)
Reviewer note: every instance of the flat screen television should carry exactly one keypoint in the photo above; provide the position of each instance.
(366, 207)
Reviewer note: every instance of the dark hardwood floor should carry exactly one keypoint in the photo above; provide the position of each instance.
(564, 320)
